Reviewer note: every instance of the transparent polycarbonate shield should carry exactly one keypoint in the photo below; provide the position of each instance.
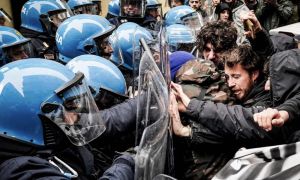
(152, 120)
(193, 20)
(164, 63)
(74, 111)
(117, 56)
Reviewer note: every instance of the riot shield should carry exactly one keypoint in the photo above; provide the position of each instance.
(162, 60)
(152, 119)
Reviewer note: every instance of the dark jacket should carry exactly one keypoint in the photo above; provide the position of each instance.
(218, 130)
(89, 161)
(235, 123)
(44, 46)
(274, 16)
(257, 96)
(285, 80)
(262, 44)
(32, 167)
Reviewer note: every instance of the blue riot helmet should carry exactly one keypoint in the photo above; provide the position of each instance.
(104, 78)
(180, 38)
(44, 16)
(132, 9)
(13, 46)
(83, 34)
(114, 8)
(154, 9)
(173, 16)
(125, 43)
(42, 100)
(82, 7)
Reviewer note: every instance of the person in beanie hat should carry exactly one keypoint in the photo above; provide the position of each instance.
(177, 59)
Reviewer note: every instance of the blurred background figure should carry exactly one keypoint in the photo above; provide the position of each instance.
(175, 3)
(210, 7)
(153, 15)
(271, 13)
(224, 12)
(197, 6)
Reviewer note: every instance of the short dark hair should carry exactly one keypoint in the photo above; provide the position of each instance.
(222, 36)
(246, 57)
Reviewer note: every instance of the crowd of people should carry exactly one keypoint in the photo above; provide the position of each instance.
(140, 93)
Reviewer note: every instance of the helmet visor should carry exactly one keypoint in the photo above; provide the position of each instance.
(117, 56)
(132, 8)
(193, 20)
(58, 17)
(18, 52)
(86, 9)
(177, 39)
(76, 114)
(104, 46)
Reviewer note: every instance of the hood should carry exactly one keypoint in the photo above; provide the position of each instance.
(284, 75)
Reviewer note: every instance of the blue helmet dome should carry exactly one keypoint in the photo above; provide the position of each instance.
(38, 93)
(114, 7)
(33, 10)
(173, 16)
(10, 37)
(125, 40)
(24, 85)
(79, 35)
(100, 73)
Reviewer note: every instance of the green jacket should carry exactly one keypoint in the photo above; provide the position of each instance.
(274, 16)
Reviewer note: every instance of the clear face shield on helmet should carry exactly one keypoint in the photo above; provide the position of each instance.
(76, 112)
(86, 9)
(113, 39)
(181, 41)
(193, 20)
(104, 46)
(19, 51)
(132, 8)
(155, 11)
(53, 20)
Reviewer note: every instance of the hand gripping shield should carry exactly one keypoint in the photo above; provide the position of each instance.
(153, 119)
